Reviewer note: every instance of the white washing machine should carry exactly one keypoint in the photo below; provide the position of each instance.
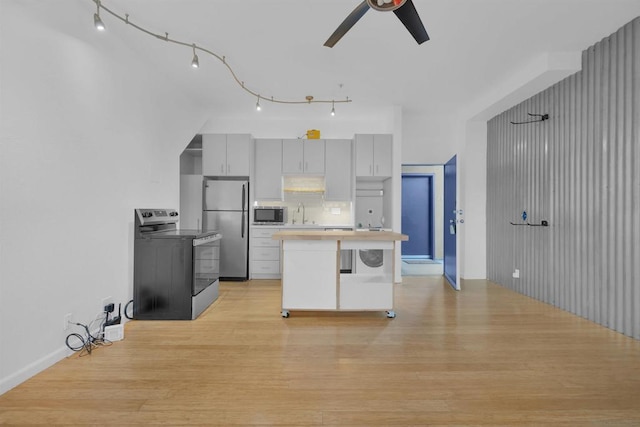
(369, 261)
(369, 214)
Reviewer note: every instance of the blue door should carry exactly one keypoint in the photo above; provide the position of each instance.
(417, 215)
(450, 224)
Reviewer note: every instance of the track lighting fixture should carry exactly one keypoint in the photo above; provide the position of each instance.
(97, 22)
(194, 62)
(333, 109)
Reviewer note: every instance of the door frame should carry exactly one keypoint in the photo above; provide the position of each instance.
(432, 240)
(451, 266)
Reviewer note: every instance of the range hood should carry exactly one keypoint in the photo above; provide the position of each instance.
(309, 184)
(369, 193)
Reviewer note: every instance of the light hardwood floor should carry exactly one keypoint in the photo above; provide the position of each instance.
(482, 356)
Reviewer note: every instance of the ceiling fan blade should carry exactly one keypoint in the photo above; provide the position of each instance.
(408, 15)
(346, 25)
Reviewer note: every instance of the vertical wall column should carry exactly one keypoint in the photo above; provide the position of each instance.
(580, 171)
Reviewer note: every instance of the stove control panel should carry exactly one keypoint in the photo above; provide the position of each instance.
(157, 216)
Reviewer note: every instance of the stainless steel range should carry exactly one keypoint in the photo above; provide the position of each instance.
(175, 272)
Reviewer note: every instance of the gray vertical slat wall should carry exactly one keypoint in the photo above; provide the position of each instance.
(580, 170)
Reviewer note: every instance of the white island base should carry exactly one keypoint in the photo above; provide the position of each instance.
(311, 278)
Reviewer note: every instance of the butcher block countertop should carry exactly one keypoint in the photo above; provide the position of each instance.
(339, 235)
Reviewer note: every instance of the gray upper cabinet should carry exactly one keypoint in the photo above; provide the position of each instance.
(373, 155)
(226, 155)
(267, 181)
(303, 156)
(338, 177)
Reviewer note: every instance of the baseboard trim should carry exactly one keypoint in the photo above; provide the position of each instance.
(32, 369)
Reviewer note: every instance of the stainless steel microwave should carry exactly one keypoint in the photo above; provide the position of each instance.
(264, 215)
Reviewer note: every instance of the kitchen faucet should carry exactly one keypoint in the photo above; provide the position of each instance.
(303, 219)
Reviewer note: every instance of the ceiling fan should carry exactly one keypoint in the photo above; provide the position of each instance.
(404, 10)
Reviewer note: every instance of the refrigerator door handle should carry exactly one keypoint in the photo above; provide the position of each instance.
(243, 212)
(243, 197)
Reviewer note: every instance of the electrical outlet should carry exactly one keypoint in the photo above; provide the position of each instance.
(67, 319)
(516, 274)
(106, 301)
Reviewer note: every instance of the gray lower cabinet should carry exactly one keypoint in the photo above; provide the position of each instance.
(264, 253)
(191, 201)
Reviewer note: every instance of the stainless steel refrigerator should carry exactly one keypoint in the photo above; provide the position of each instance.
(226, 209)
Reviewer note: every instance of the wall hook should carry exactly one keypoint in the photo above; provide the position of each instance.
(541, 118)
(542, 223)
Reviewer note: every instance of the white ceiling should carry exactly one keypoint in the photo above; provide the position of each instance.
(276, 48)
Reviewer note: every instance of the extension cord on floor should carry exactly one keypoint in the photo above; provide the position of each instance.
(114, 332)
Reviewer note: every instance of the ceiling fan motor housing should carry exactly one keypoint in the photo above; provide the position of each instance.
(385, 5)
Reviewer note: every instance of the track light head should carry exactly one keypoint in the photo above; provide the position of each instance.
(333, 109)
(97, 22)
(195, 63)
(258, 107)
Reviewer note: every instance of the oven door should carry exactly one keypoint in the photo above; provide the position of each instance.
(206, 262)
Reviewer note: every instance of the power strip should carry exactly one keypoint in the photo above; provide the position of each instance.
(114, 333)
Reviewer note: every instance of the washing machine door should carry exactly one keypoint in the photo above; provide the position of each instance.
(371, 257)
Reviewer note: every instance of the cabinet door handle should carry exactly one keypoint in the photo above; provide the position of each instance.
(221, 168)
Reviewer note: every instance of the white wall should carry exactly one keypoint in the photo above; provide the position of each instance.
(428, 140)
(473, 238)
(88, 133)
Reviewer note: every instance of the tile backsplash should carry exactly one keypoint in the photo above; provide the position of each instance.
(316, 209)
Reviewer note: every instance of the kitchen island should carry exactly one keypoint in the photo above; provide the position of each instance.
(311, 278)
